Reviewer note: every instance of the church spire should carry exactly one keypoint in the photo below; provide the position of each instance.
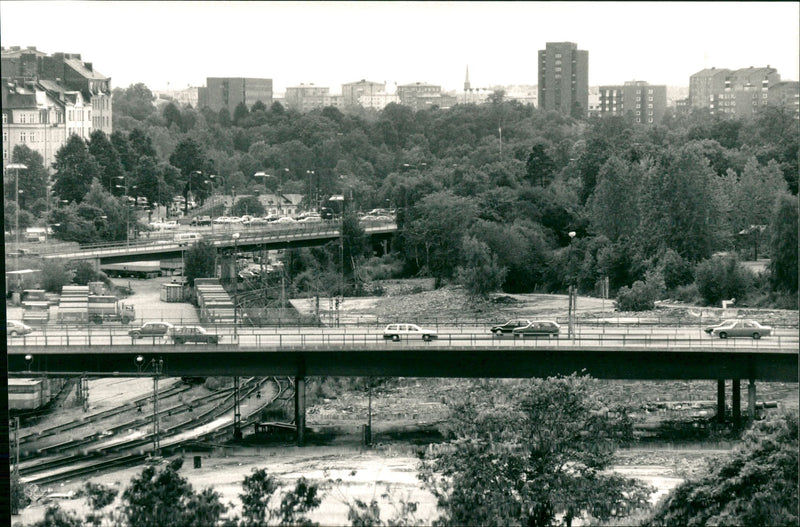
(466, 81)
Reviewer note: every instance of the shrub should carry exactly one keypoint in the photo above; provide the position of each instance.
(639, 297)
(677, 271)
(721, 278)
(687, 293)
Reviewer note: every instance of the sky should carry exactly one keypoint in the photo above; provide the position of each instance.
(172, 45)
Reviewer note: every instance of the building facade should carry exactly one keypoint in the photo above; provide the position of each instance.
(787, 94)
(645, 103)
(564, 78)
(354, 91)
(378, 101)
(307, 97)
(70, 73)
(420, 95)
(737, 93)
(229, 92)
(42, 115)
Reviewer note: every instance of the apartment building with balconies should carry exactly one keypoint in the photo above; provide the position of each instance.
(229, 92)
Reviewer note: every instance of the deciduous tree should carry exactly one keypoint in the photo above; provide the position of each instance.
(75, 169)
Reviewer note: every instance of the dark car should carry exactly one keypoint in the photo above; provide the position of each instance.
(538, 328)
(184, 334)
(201, 220)
(510, 326)
(152, 329)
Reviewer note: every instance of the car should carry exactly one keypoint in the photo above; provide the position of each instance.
(741, 328)
(395, 331)
(285, 219)
(711, 328)
(184, 334)
(222, 219)
(186, 238)
(15, 327)
(537, 328)
(152, 329)
(201, 220)
(509, 326)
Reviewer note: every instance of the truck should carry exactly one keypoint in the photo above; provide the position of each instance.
(102, 308)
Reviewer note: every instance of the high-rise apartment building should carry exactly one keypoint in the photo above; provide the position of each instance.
(229, 92)
(787, 94)
(645, 103)
(564, 78)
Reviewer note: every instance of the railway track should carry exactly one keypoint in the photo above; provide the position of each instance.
(99, 451)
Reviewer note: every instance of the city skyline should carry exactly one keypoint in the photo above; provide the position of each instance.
(330, 44)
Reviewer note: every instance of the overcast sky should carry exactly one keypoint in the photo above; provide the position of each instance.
(176, 44)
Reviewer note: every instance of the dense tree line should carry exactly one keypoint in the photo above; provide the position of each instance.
(637, 198)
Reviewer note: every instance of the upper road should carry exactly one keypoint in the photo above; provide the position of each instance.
(621, 353)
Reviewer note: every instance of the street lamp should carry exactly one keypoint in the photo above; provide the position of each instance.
(311, 201)
(17, 167)
(340, 197)
(235, 237)
(573, 297)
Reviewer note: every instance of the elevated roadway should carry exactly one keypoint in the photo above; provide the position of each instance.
(269, 237)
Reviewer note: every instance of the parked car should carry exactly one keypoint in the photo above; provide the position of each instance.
(201, 220)
(741, 328)
(152, 329)
(538, 328)
(285, 219)
(184, 334)
(509, 326)
(222, 219)
(395, 331)
(15, 327)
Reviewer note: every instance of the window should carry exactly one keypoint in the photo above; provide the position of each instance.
(5, 137)
(649, 119)
(650, 91)
(23, 117)
(649, 98)
(5, 118)
(33, 137)
(649, 105)
(22, 137)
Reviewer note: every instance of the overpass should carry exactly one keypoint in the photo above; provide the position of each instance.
(475, 356)
(264, 237)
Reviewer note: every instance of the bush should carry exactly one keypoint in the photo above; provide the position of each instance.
(687, 293)
(722, 278)
(639, 297)
(677, 271)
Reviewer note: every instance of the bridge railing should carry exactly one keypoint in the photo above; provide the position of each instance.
(363, 340)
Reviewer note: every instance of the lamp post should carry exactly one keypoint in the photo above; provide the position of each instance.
(311, 201)
(124, 188)
(572, 293)
(235, 280)
(17, 167)
(340, 197)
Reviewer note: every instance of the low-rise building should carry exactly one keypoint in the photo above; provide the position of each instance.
(645, 103)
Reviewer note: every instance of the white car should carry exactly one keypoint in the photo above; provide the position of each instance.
(396, 331)
(285, 219)
(15, 327)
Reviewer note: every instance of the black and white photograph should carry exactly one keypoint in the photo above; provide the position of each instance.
(400, 263)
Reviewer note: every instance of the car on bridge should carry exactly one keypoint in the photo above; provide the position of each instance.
(15, 327)
(201, 220)
(742, 328)
(152, 329)
(396, 331)
(185, 334)
(727, 322)
(538, 328)
(510, 326)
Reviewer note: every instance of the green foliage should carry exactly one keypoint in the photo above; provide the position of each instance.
(135, 101)
(162, 497)
(18, 500)
(259, 488)
(84, 272)
(675, 269)
(521, 453)
(54, 516)
(784, 244)
(722, 278)
(75, 169)
(480, 273)
(250, 205)
(32, 180)
(639, 297)
(98, 495)
(199, 261)
(756, 485)
(107, 157)
(614, 205)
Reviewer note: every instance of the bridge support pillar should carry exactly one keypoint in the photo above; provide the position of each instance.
(736, 403)
(751, 400)
(720, 400)
(300, 408)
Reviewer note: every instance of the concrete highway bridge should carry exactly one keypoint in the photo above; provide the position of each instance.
(299, 353)
(263, 237)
